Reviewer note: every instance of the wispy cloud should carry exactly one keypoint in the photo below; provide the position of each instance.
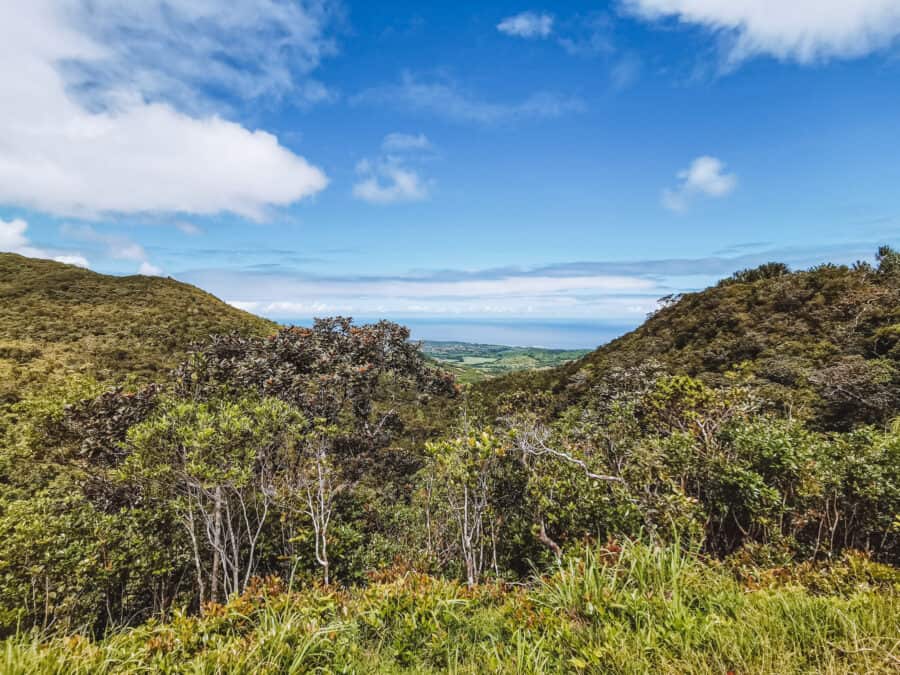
(805, 31)
(184, 51)
(390, 178)
(117, 246)
(388, 181)
(527, 25)
(189, 228)
(706, 176)
(400, 142)
(448, 100)
(512, 295)
(588, 36)
(13, 239)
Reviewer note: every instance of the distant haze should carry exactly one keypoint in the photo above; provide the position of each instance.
(551, 334)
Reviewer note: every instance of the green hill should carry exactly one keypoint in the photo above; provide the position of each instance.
(824, 342)
(57, 318)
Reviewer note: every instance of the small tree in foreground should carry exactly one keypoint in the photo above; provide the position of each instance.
(215, 464)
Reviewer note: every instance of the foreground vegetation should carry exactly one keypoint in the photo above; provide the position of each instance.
(632, 608)
(324, 498)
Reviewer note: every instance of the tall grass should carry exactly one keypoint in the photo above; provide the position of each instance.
(635, 609)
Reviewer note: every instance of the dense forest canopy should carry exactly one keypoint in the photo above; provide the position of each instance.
(754, 426)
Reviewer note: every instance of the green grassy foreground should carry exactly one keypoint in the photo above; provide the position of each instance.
(634, 609)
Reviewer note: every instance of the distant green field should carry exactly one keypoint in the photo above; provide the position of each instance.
(474, 362)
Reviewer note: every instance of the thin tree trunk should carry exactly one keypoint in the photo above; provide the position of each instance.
(216, 545)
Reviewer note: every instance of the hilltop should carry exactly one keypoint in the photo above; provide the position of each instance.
(62, 318)
(823, 342)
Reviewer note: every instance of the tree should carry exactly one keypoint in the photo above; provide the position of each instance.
(888, 261)
(309, 484)
(215, 464)
(462, 469)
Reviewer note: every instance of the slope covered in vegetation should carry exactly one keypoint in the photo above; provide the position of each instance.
(822, 343)
(56, 317)
(719, 490)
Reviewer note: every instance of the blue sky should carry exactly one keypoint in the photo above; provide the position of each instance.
(501, 161)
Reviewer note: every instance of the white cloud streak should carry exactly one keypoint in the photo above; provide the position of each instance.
(706, 176)
(400, 142)
(125, 155)
(446, 100)
(527, 25)
(804, 31)
(171, 49)
(117, 246)
(609, 296)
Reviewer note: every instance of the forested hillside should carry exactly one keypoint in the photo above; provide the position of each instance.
(717, 491)
(822, 344)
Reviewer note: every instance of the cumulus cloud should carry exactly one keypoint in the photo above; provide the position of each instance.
(14, 240)
(446, 99)
(117, 247)
(527, 25)
(799, 30)
(706, 176)
(129, 148)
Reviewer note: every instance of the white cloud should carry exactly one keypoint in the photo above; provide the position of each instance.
(387, 182)
(705, 176)
(399, 142)
(527, 25)
(445, 99)
(14, 240)
(130, 151)
(800, 30)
